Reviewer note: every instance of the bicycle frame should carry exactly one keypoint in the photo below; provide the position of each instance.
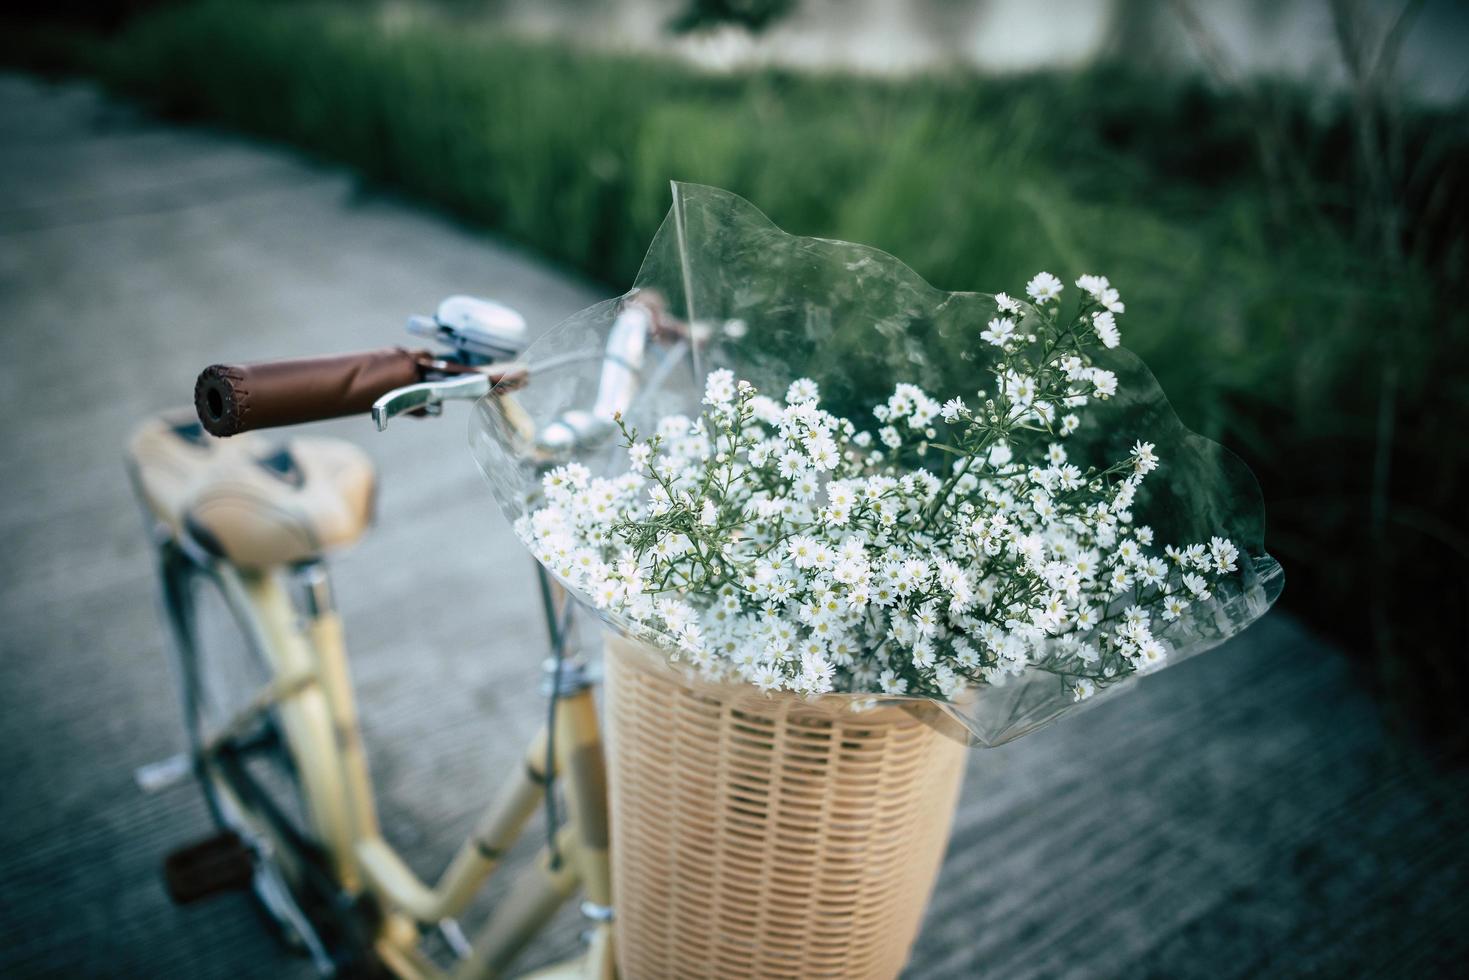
(300, 644)
(311, 693)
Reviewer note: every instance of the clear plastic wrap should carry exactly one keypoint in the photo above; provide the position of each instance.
(772, 308)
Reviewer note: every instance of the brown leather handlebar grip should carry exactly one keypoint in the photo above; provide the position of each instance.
(233, 398)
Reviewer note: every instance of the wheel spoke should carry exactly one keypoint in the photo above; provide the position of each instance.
(249, 777)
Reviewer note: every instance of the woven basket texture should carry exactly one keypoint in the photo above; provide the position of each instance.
(763, 836)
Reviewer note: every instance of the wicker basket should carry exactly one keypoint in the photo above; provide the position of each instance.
(767, 837)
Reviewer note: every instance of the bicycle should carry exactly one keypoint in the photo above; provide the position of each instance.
(242, 529)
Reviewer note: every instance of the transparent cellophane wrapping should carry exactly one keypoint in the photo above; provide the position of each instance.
(773, 307)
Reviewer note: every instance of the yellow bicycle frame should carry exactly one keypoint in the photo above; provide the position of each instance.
(311, 692)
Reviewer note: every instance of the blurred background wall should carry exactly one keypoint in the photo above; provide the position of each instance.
(1291, 38)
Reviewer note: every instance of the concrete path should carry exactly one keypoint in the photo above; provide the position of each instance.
(1243, 814)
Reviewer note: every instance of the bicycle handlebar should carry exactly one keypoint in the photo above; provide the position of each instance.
(234, 398)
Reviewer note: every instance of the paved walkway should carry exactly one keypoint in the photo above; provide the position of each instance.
(1243, 814)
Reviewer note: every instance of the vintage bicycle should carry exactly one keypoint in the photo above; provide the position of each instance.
(242, 527)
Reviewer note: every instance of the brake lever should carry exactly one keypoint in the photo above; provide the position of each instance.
(429, 396)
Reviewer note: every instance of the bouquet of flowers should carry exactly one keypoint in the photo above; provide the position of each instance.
(1018, 525)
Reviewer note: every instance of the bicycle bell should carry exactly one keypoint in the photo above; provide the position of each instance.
(480, 330)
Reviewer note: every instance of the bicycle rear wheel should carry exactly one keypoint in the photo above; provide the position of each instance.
(249, 777)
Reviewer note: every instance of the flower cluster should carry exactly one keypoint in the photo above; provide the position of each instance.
(773, 542)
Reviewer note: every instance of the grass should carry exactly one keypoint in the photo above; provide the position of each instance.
(1260, 286)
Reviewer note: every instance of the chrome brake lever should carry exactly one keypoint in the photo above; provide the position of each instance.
(429, 396)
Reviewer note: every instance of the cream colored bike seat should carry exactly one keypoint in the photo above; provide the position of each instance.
(251, 500)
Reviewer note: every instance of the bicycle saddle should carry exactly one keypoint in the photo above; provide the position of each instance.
(255, 502)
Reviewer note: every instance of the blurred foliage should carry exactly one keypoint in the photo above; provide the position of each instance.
(1295, 305)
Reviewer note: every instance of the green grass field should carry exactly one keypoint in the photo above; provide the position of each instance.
(1298, 308)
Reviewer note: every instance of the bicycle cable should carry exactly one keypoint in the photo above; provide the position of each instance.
(558, 659)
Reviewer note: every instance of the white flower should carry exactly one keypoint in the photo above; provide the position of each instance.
(1173, 607)
(802, 390)
(1044, 287)
(719, 388)
(816, 675)
(806, 486)
(1006, 304)
(926, 619)
(1150, 654)
(604, 592)
(924, 409)
(1020, 389)
(1196, 585)
(1082, 689)
(1144, 459)
(891, 683)
(949, 682)
(1000, 331)
(1224, 554)
(576, 475)
(1151, 571)
(1104, 383)
(676, 615)
(1099, 289)
(802, 549)
(1105, 324)
(952, 409)
(823, 452)
(767, 677)
(638, 455)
